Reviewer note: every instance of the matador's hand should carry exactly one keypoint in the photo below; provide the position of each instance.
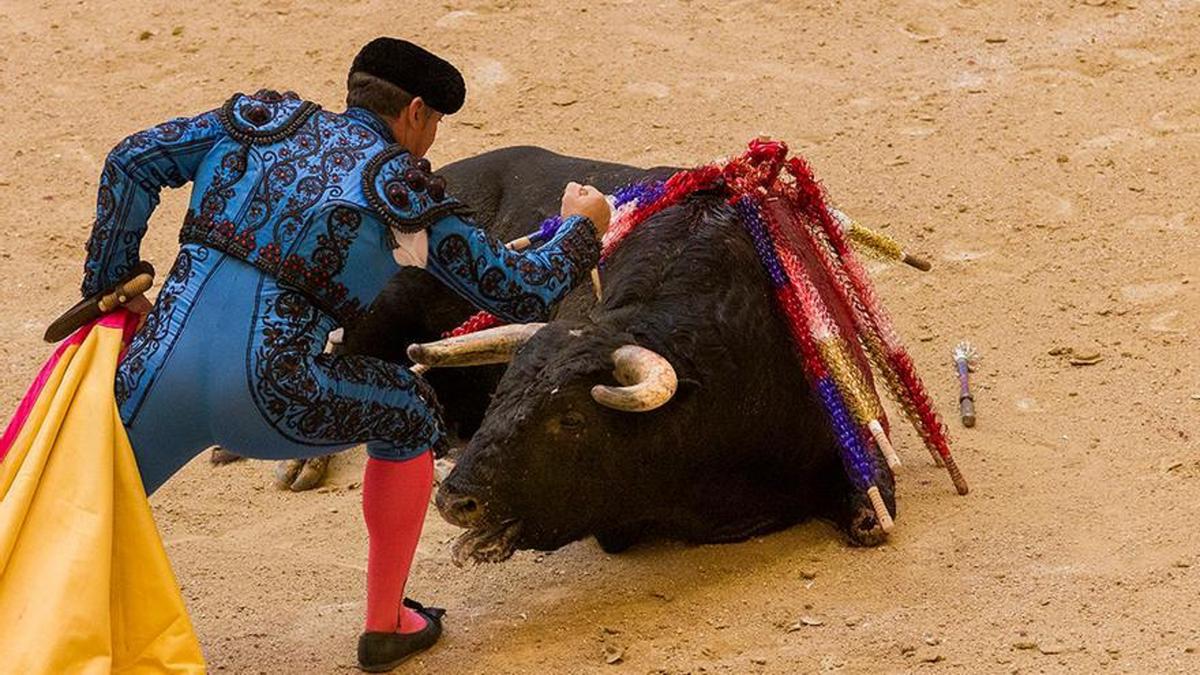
(586, 201)
(139, 305)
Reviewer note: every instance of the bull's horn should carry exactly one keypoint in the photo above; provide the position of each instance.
(494, 345)
(649, 381)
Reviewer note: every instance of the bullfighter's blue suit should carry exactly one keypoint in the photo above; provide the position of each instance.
(298, 218)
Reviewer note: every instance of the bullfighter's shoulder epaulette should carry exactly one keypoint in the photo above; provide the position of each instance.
(266, 117)
(404, 191)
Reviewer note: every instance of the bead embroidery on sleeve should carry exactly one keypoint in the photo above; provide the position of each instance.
(516, 286)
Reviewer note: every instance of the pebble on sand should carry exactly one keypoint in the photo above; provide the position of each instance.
(1085, 359)
(1052, 648)
(614, 655)
(930, 655)
(805, 621)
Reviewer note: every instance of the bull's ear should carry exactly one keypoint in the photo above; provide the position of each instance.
(687, 388)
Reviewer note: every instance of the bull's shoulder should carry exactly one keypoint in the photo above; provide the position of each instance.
(507, 157)
(403, 191)
(536, 176)
(265, 117)
(531, 159)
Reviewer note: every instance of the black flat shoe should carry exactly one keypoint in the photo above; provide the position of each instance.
(381, 652)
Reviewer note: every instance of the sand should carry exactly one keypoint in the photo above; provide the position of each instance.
(1045, 156)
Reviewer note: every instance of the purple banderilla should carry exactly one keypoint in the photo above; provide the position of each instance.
(965, 358)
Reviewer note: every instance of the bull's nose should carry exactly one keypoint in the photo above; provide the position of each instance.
(462, 510)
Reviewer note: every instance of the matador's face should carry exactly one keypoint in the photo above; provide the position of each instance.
(424, 127)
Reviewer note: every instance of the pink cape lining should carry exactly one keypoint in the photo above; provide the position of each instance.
(123, 319)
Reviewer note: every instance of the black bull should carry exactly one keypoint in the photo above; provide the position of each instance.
(741, 449)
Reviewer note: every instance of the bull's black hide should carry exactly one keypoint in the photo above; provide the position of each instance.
(742, 449)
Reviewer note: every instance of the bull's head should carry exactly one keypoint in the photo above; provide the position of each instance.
(546, 468)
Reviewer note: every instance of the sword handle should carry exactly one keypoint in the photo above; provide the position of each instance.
(126, 292)
(520, 243)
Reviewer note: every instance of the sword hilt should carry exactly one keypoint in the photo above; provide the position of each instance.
(140, 279)
(126, 291)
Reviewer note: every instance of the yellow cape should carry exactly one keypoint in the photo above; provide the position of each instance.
(85, 585)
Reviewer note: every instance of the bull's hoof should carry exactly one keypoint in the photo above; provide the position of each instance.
(218, 456)
(863, 528)
(441, 470)
(622, 538)
(613, 543)
(299, 475)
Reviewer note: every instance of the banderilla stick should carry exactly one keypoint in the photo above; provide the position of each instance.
(965, 358)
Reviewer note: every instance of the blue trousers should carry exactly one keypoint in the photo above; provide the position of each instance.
(230, 357)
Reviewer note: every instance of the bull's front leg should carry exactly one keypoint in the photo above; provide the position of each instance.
(296, 475)
(299, 475)
(218, 456)
(852, 510)
(719, 508)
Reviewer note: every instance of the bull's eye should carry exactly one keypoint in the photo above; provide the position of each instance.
(573, 421)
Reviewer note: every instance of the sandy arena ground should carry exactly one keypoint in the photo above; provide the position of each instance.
(1045, 155)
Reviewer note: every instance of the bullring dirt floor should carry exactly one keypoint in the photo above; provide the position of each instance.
(1044, 155)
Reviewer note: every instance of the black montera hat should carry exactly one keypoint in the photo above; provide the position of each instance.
(414, 70)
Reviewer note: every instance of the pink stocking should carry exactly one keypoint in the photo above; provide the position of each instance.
(395, 496)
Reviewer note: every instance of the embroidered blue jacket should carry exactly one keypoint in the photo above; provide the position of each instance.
(323, 202)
